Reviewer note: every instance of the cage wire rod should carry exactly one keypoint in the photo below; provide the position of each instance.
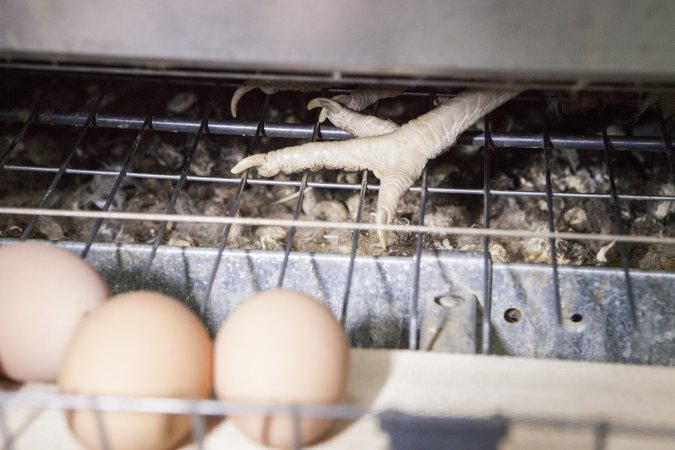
(234, 209)
(355, 240)
(42, 94)
(416, 86)
(618, 224)
(329, 87)
(292, 230)
(121, 75)
(413, 334)
(570, 84)
(123, 170)
(487, 258)
(103, 438)
(297, 434)
(667, 143)
(296, 213)
(352, 251)
(548, 148)
(304, 131)
(174, 196)
(62, 169)
(346, 186)
(257, 221)
(198, 430)
(600, 432)
(7, 441)
(218, 408)
(413, 302)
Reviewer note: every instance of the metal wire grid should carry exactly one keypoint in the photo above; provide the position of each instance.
(488, 140)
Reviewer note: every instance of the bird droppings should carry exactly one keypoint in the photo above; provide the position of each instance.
(520, 170)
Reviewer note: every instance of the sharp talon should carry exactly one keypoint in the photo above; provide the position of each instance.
(238, 94)
(249, 162)
(382, 218)
(383, 238)
(323, 103)
(326, 104)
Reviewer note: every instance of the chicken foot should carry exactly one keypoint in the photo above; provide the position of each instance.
(396, 155)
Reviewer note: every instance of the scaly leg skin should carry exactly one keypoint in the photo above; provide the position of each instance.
(359, 125)
(397, 156)
(358, 100)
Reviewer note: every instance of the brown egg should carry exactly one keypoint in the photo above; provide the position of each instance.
(281, 347)
(137, 344)
(44, 293)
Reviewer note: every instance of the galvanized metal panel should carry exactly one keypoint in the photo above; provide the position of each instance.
(378, 311)
(607, 40)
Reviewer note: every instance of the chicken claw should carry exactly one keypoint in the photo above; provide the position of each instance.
(396, 156)
(357, 124)
(358, 100)
(269, 88)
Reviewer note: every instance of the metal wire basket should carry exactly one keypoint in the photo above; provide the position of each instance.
(423, 294)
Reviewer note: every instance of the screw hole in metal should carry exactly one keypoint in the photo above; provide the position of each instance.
(576, 318)
(512, 315)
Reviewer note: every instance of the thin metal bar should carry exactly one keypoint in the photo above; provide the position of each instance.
(234, 209)
(667, 143)
(103, 439)
(257, 221)
(159, 76)
(198, 430)
(296, 214)
(413, 307)
(330, 78)
(179, 185)
(600, 432)
(121, 75)
(355, 240)
(305, 131)
(413, 332)
(297, 434)
(123, 171)
(487, 258)
(29, 121)
(7, 441)
(325, 185)
(618, 224)
(292, 230)
(352, 251)
(548, 147)
(218, 408)
(62, 169)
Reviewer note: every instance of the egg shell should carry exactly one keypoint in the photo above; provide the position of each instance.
(137, 344)
(44, 293)
(281, 347)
